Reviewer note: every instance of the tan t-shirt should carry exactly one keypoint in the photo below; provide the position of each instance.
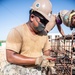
(22, 41)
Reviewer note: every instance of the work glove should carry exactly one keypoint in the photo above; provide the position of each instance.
(44, 62)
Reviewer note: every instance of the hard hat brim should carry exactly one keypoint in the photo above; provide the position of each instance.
(51, 24)
(46, 16)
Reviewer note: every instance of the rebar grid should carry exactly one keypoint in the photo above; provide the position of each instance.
(62, 49)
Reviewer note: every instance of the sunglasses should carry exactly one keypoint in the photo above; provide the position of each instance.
(43, 20)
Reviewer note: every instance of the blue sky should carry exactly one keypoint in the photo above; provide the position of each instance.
(16, 12)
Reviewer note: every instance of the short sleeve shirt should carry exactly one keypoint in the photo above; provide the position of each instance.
(21, 40)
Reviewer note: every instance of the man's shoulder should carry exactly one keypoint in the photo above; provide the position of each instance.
(20, 26)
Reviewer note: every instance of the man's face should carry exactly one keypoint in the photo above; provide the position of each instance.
(39, 22)
(73, 21)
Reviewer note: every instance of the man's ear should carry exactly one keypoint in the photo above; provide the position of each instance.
(32, 17)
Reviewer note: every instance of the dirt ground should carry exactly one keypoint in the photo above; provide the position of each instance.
(1, 73)
(2, 59)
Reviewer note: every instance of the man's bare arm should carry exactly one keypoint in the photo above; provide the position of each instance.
(16, 58)
(60, 30)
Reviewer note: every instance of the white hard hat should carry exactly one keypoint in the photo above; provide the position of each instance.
(62, 13)
(44, 7)
(67, 18)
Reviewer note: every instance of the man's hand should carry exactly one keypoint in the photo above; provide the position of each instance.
(45, 61)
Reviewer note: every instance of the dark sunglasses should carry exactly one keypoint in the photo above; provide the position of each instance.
(43, 20)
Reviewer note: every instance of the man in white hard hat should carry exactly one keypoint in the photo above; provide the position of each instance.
(66, 17)
(27, 45)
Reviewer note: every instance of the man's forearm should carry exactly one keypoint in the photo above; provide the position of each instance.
(16, 58)
(22, 60)
(60, 30)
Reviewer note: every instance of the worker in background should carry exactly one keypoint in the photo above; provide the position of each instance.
(67, 17)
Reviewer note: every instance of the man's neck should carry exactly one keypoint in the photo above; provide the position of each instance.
(31, 28)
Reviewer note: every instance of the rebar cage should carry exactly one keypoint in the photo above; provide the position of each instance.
(64, 51)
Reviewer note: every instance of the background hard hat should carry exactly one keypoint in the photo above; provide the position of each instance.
(66, 19)
(44, 7)
(64, 14)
